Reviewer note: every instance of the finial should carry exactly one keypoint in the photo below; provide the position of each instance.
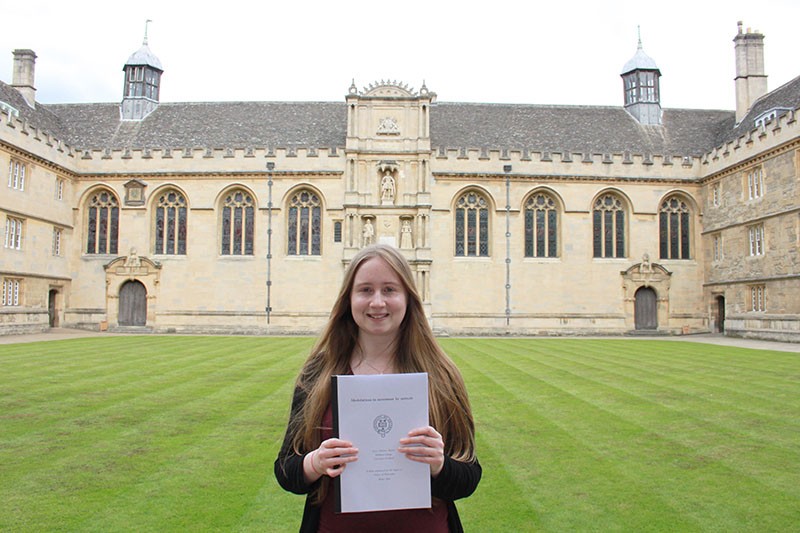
(148, 21)
(639, 33)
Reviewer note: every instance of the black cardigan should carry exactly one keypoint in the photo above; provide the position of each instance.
(456, 480)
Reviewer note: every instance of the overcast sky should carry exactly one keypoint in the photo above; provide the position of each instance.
(505, 51)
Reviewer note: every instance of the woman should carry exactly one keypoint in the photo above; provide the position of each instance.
(378, 326)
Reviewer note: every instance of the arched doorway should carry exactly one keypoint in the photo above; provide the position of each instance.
(645, 310)
(132, 304)
(720, 314)
(52, 310)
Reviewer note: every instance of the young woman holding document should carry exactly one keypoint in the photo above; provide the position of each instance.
(378, 326)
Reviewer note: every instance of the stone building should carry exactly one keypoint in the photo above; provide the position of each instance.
(517, 219)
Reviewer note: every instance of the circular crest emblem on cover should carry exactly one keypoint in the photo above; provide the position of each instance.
(382, 425)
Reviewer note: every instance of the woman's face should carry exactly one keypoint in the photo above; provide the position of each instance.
(378, 299)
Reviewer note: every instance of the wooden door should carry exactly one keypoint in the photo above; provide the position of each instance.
(646, 309)
(721, 314)
(132, 304)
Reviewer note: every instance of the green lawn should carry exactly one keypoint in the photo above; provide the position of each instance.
(171, 433)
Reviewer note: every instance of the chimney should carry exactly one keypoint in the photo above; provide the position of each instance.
(751, 82)
(24, 64)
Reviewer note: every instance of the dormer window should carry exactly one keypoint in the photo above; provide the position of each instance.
(769, 115)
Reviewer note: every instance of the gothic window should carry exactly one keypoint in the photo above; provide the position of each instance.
(472, 226)
(541, 226)
(716, 195)
(758, 298)
(11, 291)
(755, 183)
(756, 239)
(170, 223)
(57, 241)
(14, 233)
(238, 223)
(102, 226)
(337, 231)
(608, 227)
(16, 175)
(674, 221)
(304, 224)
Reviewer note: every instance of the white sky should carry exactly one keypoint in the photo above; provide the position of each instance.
(510, 51)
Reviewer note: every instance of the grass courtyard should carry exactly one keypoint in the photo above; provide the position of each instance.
(171, 433)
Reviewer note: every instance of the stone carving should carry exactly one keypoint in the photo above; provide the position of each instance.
(367, 233)
(133, 261)
(387, 189)
(388, 126)
(645, 267)
(406, 238)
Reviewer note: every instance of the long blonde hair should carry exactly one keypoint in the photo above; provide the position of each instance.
(416, 351)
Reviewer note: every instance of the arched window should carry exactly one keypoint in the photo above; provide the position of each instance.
(170, 223)
(541, 226)
(608, 226)
(238, 223)
(304, 224)
(102, 223)
(472, 226)
(674, 219)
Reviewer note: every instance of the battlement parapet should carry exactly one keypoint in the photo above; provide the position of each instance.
(767, 135)
(623, 163)
(37, 141)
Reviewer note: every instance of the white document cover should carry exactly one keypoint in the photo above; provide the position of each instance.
(374, 413)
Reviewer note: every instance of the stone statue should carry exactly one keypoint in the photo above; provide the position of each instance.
(405, 236)
(133, 260)
(387, 188)
(645, 267)
(367, 233)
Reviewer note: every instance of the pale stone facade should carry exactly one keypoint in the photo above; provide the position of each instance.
(240, 217)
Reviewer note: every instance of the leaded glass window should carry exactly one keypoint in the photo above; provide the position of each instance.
(170, 223)
(541, 226)
(674, 221)
(16, 175)
(304, 224)
(337, 231)
(472, 226)
(608, 227)
(102, 226)
(238, 223)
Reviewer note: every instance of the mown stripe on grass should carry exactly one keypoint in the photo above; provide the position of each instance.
(547, 458)
(710, 434)
(209, 396)
(601, 430)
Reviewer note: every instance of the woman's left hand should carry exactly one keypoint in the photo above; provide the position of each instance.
(424, 445)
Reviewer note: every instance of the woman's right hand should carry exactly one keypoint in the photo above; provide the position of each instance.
(329, 459)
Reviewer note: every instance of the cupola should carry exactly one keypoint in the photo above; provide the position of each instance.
(142, 83)
(640, 79)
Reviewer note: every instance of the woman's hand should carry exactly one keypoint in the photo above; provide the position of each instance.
(329, 459)
(424, 445)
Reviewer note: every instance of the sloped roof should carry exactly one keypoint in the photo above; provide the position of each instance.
(595, 129)
(41, 117)
(592, 129)
(215, 125)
